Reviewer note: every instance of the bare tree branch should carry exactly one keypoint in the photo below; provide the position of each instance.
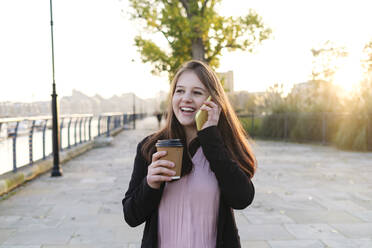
(218, 48)
(203, 7)
(165, 35)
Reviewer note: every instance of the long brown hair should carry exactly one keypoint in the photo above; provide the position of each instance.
(233, 134)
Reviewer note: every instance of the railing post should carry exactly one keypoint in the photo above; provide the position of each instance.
(85, 128)
(286, 116)
(369, 132)
(108, 125)
(252, 125)
(60, 134)
(30, 142)
(324, 127)
(15, 147)
(134, 121)
(44, 129)
(68, 133)
(81, 121)
(90, 125)
(125, 119)
(75, 138)
(99, 125)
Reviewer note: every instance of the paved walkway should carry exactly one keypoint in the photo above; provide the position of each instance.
(306, 196)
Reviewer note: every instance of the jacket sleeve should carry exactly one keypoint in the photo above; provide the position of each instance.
(236, 187)
(140, 199)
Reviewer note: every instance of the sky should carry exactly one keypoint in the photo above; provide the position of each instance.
(94, 51)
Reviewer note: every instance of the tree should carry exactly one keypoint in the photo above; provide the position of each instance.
(366, 86)
(193, 30)
(274, 100)
(367, 50)
(326, 61)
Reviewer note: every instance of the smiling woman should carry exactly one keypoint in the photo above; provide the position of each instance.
(196, 210)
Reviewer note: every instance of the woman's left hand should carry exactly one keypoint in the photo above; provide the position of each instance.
(214, 112)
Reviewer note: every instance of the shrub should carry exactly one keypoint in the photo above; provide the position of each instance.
(352, 134)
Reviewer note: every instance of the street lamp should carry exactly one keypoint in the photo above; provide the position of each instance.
(57, 170)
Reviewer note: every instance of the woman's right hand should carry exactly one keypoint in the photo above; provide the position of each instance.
(158, 171)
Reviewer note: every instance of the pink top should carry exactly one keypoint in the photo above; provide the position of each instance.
(188, 208)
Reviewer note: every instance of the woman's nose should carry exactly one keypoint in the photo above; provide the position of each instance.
(187, 97)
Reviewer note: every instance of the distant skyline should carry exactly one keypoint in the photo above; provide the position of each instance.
(94, 50)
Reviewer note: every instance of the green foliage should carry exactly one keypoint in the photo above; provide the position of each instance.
(193, 30)
(307, 128)
(352, 134)
(252, 130)
(271, 127)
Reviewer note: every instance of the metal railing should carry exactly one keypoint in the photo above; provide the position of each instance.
(305, 127)
(74, 130)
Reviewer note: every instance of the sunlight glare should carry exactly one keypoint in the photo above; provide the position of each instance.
(349, 74)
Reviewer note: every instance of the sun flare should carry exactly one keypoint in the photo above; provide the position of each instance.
(349, 74)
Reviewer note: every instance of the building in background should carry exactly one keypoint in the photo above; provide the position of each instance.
(79, 103)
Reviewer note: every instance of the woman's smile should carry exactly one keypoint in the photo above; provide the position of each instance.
(187, 111)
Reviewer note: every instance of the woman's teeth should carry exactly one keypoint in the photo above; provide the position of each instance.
(185, 109)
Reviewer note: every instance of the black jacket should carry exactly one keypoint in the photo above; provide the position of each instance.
(141, 202)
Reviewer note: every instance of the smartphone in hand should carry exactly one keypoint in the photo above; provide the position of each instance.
(201, 117)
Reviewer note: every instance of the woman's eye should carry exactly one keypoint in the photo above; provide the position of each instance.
(179, 91)
(198, 93)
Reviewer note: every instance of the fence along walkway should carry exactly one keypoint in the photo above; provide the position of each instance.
(306, 196)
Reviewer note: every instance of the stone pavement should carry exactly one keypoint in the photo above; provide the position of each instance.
(306, 196)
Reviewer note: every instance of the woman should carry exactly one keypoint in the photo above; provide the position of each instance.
(218, 164)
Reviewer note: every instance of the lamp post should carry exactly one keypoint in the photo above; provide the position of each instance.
(57, 170)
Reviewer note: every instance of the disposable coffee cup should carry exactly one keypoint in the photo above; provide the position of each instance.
(174, 150)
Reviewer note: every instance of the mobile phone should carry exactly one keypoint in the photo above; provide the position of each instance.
(201, 117)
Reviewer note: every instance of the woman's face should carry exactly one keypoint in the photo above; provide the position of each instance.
(188, 97)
